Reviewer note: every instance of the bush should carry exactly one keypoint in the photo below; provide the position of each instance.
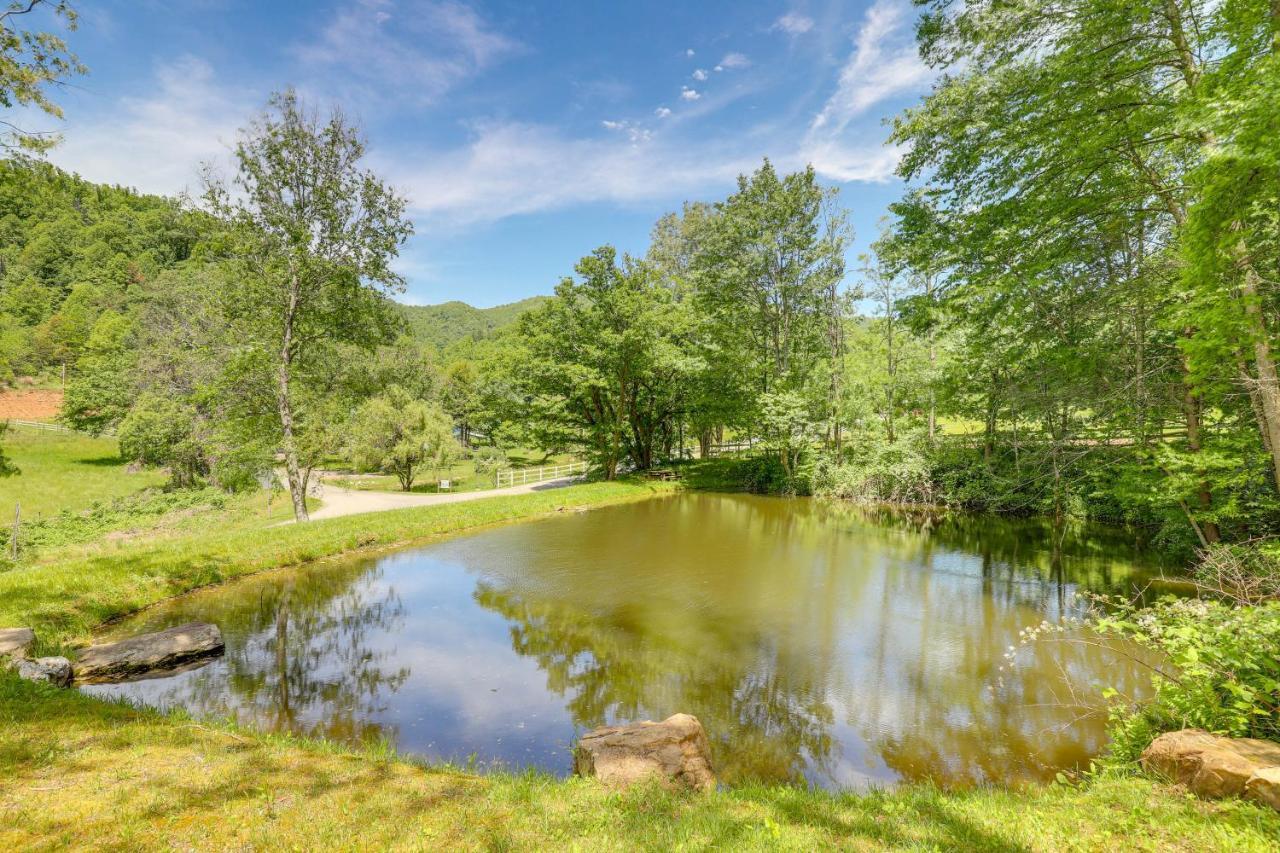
(488, 459)
(898, 472)
(1220, 669)
(766, 475)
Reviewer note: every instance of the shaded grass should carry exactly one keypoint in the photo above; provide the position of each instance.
(75, 771)
(65, 471)
(65, 595)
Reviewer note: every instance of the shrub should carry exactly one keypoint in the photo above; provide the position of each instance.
(1220, 669)
(897, 472)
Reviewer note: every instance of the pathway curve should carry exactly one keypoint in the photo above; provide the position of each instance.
(338, 501)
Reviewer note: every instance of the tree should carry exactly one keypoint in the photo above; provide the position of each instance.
(768, 275)
(312, 235)
(399, 435)
(30, 63)
(600, 365)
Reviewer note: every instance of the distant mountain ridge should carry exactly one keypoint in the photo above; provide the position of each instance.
(449, 322)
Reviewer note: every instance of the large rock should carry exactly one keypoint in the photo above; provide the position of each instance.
(16, 641)
(674, 751)
(56, 671)
(148, 652)
(1214, 766)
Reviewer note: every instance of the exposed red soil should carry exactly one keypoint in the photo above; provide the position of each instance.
(30, 405)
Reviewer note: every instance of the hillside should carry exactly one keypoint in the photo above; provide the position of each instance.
(443, 324)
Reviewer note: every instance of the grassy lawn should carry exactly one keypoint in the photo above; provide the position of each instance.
(65, 471)
(462, 474)
(83, 773)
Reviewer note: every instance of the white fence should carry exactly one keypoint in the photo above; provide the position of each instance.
(521, 476)
(47, 426)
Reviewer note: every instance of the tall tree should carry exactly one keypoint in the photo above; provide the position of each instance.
(312, 234)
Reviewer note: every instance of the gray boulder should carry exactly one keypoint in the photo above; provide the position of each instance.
(675, 752)
(145, 653)
(16, 641)
(56, 671)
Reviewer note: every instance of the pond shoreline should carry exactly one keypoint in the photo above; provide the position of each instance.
(75, 769)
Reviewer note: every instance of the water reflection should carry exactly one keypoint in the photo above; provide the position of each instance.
(816, 642)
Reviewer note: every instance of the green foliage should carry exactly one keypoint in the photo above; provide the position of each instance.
(102, 517)
(399, 435)
(451, 322)
(1220, 669)
(900, 471)
(32, 63)
(7, 468)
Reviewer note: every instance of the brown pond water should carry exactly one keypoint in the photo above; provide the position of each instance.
(817, 643)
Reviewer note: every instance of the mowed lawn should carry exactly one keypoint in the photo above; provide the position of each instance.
(65, 471)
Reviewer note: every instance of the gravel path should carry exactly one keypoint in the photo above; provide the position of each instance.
(338, 501)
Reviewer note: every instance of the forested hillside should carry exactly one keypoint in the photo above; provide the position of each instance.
(442, 325)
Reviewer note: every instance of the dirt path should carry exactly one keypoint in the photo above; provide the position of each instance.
(339, 501)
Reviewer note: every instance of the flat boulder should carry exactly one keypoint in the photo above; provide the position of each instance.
(16, 641)
(675, 752)
(146, 653)
(56, 671)
(1213, 766)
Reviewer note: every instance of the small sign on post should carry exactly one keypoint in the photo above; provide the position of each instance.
(445, 485)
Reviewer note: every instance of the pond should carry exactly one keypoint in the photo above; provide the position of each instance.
(818, 643)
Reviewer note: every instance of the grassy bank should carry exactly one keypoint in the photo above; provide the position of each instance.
(79, 772)
(66, 594)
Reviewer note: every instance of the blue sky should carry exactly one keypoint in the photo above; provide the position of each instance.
(524, 134)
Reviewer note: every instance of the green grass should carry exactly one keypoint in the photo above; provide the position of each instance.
(77, 772)
(64, 594)
(65, 471)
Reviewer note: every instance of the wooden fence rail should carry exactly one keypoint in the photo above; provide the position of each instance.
(48, 426)
(521, 476)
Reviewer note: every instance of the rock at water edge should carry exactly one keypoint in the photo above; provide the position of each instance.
(147, 652)
(1209, 765)
(675, 752)
(56, 671)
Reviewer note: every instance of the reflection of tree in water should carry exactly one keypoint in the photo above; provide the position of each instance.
(763, 716)
(299, 656)
(900, 624)
(1043, 714)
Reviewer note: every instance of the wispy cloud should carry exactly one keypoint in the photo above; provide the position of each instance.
(884, 64)
(422, 47)
(516, 168)
(157, 142)
(733, 60)
(793, 23)
(662, 112)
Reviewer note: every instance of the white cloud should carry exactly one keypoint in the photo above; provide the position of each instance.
(662, 112)
(425, 47)
(883, 64)
(700, 74)
(689, 94)
(689, 52)
(635, 133)
(793, 23)
(513, 168)
(157, 142)
(733, 60)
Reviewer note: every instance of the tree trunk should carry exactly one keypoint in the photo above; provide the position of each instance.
(297, 489)
(1268, 384)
